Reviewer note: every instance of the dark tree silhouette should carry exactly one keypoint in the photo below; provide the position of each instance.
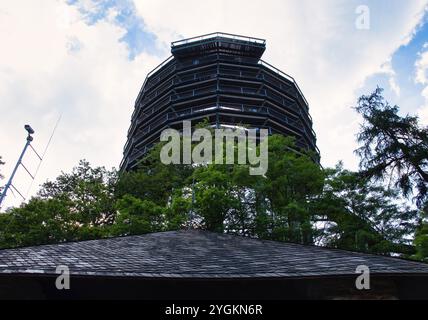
(393, 147)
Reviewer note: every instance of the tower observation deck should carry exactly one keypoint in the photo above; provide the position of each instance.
(219, 77)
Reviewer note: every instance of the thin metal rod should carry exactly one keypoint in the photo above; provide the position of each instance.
(13, 188)
(13, 193)
(43, 155)
(27, 170)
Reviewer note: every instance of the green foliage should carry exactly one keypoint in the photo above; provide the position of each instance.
(364, 216)
(153, 180)
(214, 195)
(226, 198)
(292, 183)
(177, 214)
(89, 191)
(296, 200)
(421, 240)
(395, 149)
(137, 216)
(76, 206)
(38, 222)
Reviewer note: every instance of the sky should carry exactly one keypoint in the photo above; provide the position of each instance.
(84, 61)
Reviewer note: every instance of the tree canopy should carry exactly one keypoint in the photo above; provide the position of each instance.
(296, 200)
(393, 147)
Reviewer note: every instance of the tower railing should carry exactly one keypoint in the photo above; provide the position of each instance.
(165, 62)
(290, 78)
(210, 36)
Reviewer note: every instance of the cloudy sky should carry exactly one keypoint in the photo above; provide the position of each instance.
(86, 60)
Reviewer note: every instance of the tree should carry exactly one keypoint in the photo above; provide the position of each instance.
(214, 196)
(292, 182)
(226, 198)
(137, 216)
(88, 190)
(363, 215)
(38, 222)
(421, 240)
(393, 147)
(177, 212)
(76, 206)
(153, 180)
(295, 200)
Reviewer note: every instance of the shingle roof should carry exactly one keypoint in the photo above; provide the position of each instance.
(196, 254)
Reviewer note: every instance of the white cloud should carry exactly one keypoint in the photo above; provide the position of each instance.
(423, 111)
(421, 77)
(422, 67)
(387, 69)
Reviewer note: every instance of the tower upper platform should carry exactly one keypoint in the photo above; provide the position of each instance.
(219, 43)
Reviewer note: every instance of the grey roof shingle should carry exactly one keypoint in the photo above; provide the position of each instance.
(196, 254)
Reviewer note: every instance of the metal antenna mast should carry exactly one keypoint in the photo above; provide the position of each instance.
(27, 144)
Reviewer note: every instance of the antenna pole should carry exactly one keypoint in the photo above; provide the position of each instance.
(9, 183)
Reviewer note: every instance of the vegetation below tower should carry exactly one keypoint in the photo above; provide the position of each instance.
(296, 200)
